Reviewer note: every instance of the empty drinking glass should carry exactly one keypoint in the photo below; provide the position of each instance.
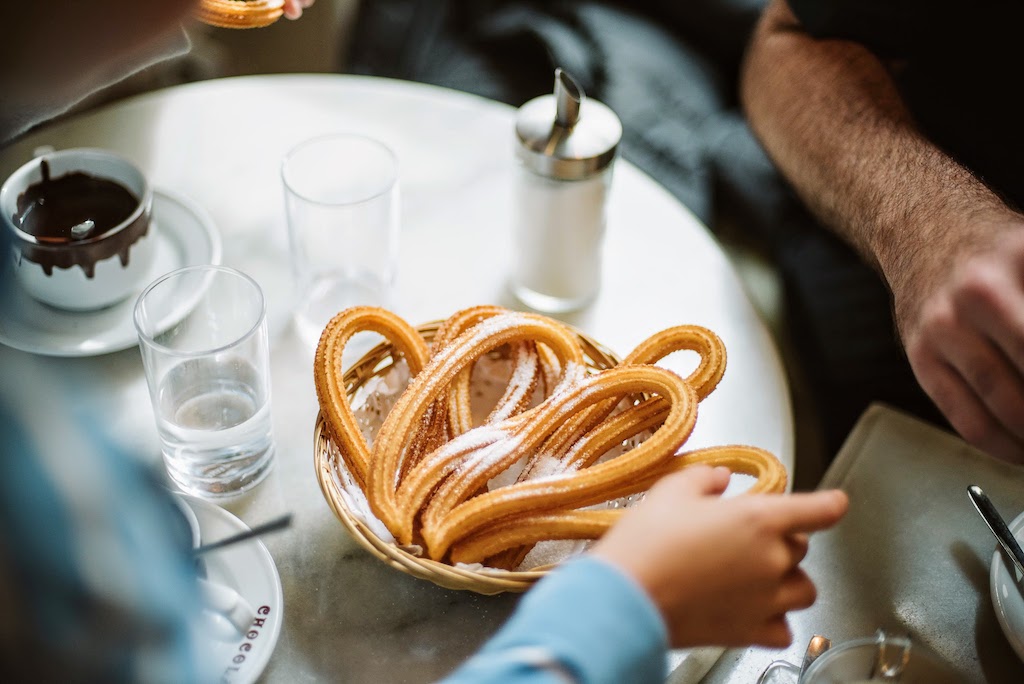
(341, 196)
(203, 335)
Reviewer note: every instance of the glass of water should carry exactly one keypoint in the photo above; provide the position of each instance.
(341, 196)
(203, 335)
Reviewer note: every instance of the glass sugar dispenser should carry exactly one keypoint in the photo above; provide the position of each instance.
(567, 144)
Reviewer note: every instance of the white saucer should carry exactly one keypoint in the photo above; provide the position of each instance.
(185, 236)
(248, 568)
(1006, 597)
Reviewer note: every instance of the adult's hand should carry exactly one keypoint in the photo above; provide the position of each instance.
(721, 571)
(830, 114)
(959, 306)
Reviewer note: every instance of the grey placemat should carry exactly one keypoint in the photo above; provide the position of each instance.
(911, 556)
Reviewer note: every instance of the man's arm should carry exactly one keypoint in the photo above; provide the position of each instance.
(829, 113)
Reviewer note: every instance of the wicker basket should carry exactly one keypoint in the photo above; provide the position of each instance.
(483, 581)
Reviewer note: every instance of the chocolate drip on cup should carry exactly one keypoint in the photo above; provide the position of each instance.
(48, 211)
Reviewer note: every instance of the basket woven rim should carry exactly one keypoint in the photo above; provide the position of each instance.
(374, 363)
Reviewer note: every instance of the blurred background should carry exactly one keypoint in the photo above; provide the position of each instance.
(318, 42)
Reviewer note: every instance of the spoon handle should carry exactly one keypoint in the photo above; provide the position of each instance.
(267, 527)
(998, 526)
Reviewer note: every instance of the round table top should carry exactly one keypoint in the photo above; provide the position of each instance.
(220, 143)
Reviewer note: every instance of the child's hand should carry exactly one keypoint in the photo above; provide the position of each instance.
(293, 8)
(721, 571)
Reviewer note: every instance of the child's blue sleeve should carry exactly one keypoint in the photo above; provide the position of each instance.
(585, 623)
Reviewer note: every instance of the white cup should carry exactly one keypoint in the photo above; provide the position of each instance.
(94, 271)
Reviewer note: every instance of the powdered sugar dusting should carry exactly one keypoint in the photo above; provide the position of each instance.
(524, 371)
(547, 466)
(508, 475)
(490, 457)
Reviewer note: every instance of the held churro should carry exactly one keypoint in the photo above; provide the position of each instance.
(239, 14)
(530, 528)
(430, 474)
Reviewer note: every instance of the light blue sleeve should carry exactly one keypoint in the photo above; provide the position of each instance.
(585, 623)
(96, 584)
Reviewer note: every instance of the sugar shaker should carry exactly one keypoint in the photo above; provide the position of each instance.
(566, 146)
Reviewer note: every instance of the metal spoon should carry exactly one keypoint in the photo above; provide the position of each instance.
(891, 657)
(998, 525)
(815, 648)
(267, 527)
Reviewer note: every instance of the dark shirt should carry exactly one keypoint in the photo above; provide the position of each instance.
(957, 67)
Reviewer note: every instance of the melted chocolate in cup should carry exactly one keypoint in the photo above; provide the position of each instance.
(49, 209)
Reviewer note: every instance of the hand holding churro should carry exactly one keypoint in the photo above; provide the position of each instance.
(245, 14)
(721, 571)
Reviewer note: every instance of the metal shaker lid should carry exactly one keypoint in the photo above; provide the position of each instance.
(565, 135)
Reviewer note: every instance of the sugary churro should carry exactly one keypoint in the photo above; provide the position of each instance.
(239, 14)
(424, 389)
(508, 533)
(443, 522)
(327, 375)
(429, 476)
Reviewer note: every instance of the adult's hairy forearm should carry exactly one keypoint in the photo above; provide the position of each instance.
(830, 116)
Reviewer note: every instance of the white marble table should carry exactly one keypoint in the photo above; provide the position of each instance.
(348, 617)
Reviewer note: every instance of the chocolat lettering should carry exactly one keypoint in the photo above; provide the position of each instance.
(246, 646)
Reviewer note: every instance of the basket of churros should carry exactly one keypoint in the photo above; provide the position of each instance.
(480, 451)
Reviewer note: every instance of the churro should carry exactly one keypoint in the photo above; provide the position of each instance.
(428, 386)
(327, 376)
(239, 14)
(532, 528)
(443, 523)
(526, 371)
(704, 378)
(529, 529)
